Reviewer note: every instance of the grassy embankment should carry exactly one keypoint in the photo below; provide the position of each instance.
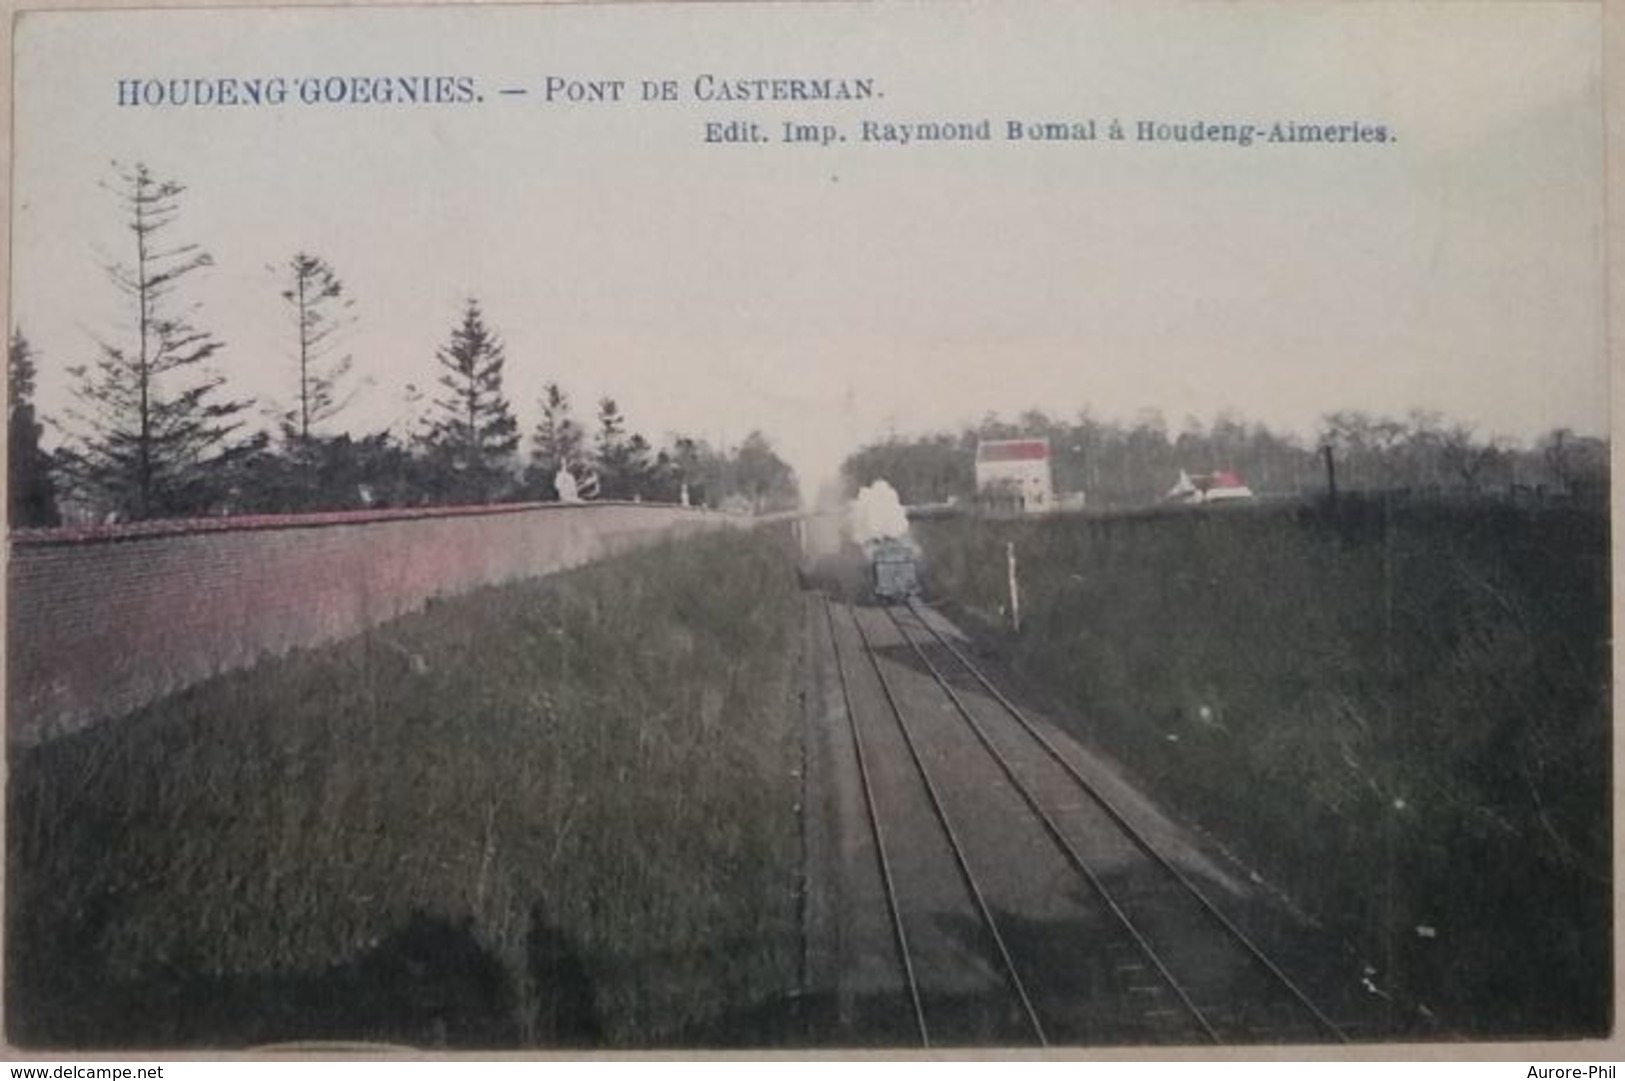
(559, 812)
(1400, 714)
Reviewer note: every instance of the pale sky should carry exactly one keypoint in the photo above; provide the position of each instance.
(717, 288)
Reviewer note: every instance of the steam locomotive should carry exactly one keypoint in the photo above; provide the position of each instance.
(894, 569)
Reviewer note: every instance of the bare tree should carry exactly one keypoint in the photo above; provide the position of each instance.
(763, 477)
(1467, 458)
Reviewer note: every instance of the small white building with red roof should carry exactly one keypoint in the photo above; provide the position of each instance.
(1015, 474)
(1214, 487)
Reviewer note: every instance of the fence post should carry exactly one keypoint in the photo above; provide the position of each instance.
(1015, 588)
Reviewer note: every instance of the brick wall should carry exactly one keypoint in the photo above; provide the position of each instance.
(102, 620)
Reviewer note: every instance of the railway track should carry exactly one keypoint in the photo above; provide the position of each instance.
(1025, 906)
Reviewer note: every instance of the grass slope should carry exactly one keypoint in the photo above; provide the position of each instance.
(558, 812)
(1401, 713)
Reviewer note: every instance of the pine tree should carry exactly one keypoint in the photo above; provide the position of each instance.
(619, 456)
(472, 435)
(640, 469)
(321, 312)
(31, 488)
(557, 442)
(153, 434)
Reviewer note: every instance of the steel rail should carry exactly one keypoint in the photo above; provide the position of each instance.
(1139, 839)
(953, 839)
(1060, 839)
(898, 932)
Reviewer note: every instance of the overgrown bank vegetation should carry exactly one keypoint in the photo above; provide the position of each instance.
(559, 812)
(1399, 713)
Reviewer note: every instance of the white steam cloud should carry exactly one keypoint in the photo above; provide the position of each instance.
(876, 513)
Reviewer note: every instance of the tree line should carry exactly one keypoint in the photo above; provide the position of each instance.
(155, 431)
(1132, 464)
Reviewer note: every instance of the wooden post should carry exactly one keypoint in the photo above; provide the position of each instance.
(1331, 475)
(1015, 588)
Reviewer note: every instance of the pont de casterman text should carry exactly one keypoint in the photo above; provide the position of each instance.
(277, 90)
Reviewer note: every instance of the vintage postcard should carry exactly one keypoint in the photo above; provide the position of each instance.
(788, 526)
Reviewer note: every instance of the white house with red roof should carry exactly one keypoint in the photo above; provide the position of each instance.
(1015, 473)
(1213, 487)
